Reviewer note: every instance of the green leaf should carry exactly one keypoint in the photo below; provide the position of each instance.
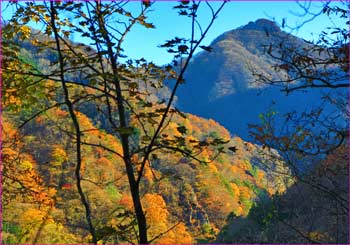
(125, 131)
(182, 129)
(104, 232)
(206, 48)
(133, 85)
(145, 138)
(148, 25)
(182, 48)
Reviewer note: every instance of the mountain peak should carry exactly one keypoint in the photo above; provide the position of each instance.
(262, 25)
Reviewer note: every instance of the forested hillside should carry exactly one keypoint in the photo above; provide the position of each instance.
(314, 210)
(177, 190)
(198, 160)
(181, 180)
(96, 151)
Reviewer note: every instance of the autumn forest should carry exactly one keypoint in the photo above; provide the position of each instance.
(244, 140)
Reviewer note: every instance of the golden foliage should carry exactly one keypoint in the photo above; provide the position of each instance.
(58, 155)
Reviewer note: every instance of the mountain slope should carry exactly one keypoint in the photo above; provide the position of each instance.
(313, 210)
(223, 78)
(176, 189)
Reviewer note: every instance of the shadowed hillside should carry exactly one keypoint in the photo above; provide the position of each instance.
(223, 78)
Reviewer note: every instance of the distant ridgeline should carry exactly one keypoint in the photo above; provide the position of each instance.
(220, 85)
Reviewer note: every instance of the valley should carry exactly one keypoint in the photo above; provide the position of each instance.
(245, 141)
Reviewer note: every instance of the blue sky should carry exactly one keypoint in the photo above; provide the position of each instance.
(143, 42)
(234, 14)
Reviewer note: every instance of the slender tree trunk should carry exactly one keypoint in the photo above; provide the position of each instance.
(134, 187)
(76, 127)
